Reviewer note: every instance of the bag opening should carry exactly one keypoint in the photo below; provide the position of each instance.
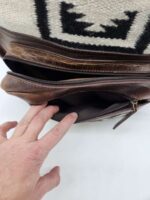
(89, 104)
(44, 73)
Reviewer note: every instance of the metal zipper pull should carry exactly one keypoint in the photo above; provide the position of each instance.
(134, 104)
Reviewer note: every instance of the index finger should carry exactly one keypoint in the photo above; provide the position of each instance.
(53, 136)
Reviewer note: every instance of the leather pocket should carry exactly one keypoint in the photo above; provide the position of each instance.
(89, 99)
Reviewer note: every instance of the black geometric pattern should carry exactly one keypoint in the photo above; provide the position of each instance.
(74, 27)
(42, 19)
(71, 26)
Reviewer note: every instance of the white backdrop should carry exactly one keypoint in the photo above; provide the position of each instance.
(96, 161)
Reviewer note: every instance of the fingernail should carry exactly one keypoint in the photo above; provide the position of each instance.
(14, 122)
(74, 114)
(55, 107)
(58, 168)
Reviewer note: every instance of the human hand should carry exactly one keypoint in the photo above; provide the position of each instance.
(22, 156)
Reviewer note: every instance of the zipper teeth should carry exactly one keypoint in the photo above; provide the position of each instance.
(83, 71)
(75, 70)
(90, 71)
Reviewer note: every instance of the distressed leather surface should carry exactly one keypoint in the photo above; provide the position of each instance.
(94, 84)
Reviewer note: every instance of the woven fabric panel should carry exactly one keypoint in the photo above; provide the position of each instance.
(108, 25)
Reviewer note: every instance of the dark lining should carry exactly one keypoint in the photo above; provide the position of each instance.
(43, 73)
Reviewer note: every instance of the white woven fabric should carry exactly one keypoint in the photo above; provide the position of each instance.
(116, 25)
(19, 16)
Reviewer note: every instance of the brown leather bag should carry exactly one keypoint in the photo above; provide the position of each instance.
(95, 84)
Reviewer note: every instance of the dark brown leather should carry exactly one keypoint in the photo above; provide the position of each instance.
(94, 84)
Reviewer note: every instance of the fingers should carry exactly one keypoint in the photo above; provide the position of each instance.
(37, 124)
(48, 182)
(4, 128)
(57, 133)
(26, 120)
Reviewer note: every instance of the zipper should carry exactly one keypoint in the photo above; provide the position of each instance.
(82, 69)
(134, 106)
(133, 102)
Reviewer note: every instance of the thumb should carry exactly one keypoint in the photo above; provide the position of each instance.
(48, 182)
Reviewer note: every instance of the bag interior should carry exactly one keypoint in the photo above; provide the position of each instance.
(44, 73)
(89, 104)
(93, 104)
